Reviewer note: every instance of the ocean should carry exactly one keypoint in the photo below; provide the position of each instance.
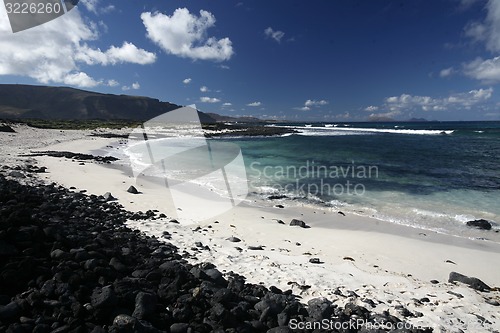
(430, 175)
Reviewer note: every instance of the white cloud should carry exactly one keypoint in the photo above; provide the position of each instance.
(311, 102)
(128, 52)
(204, 89)
(134, 86)
(53, 52)
(446, 72)
(457, 101)
(274, 34)
(485, 70)
(187, 81)
(224, 67)
(113, 83)
(209, 100)
(80, 79)
(227, 104)
(371, 108)
(487, 31)
(390, 114)
(185, 35)
(254, 104)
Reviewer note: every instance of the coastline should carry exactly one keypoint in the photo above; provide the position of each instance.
(407, 260)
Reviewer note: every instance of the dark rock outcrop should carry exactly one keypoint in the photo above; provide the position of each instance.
(480, 224)
(472, 282)
(6, 129)
(132, 190)
(298, 223)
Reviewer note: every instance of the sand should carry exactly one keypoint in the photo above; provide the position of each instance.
(379, 261)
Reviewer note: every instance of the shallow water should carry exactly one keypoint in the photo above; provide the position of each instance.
(436, 176)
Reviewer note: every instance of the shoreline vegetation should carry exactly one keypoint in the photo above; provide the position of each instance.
(78, 252)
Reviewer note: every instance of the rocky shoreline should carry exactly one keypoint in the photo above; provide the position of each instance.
(69, 264)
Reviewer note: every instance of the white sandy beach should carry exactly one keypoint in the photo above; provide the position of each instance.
(379, 261)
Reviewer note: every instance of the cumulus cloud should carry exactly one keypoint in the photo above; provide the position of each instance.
(134, 86)
(485, 70)
(185, 35)
(54, 52)
(254, 104)
(274, 34)
(426, 103)
(371, 108)
(227, 104)
(187, 81)
(209, 100)
(204, 89)
(113, 83)
(487, 31)
(128, 52)
(80, 79)
(312, 102)
(390, 114)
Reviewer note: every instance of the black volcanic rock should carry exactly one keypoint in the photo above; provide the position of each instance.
(480, 224)
(6, 129)
(472, 282)
(298, 223)
(132, 190)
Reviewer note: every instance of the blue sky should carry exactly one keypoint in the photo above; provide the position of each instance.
(313, 60)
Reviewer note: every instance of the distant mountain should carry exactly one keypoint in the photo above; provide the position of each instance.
(417, 120)
(381, 119)
(245, 119)
(64, 103)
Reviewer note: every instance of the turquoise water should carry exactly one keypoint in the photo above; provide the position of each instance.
(434, 175)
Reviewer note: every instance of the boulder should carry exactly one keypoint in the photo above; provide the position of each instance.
(6, 129)
(298, 223)
(108, 197)
(472, 282)
(132, 190)
(480, 224)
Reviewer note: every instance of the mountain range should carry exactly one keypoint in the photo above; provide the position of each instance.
(19, 101)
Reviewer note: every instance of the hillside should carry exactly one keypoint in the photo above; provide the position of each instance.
(245, 119)
(64, 103)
